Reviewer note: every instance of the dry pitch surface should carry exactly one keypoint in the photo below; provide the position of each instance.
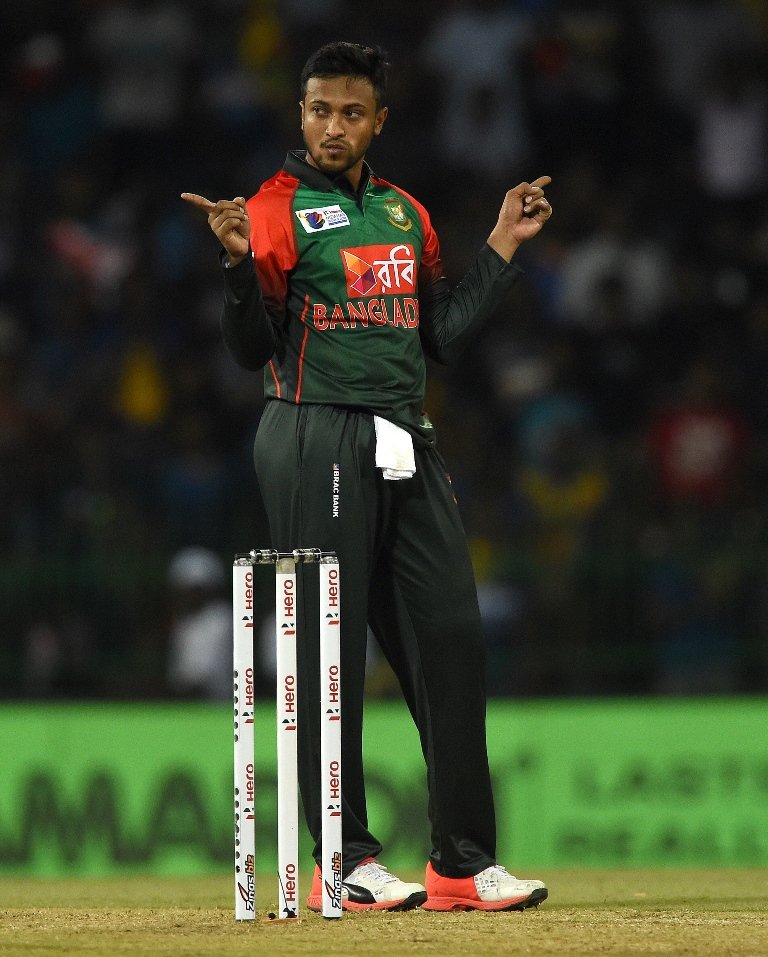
(718, 913)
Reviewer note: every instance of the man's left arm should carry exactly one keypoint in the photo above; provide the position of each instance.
(450, 318)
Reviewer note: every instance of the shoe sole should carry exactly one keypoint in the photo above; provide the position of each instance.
(414, 900)
(466, 903)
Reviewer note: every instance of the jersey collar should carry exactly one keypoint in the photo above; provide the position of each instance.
(296, 165)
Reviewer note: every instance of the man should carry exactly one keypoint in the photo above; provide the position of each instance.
(333, 284)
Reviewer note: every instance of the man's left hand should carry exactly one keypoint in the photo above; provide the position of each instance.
(524, 211)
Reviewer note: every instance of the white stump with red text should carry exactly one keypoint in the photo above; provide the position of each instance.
(287, 725)
(330, 733)
(244, 778)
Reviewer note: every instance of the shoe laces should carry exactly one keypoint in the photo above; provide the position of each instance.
(495, 874)
(373, 871)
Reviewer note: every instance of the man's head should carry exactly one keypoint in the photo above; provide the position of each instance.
(343, 88)
(350, 60)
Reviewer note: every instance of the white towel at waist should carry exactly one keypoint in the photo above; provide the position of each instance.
(394, 450)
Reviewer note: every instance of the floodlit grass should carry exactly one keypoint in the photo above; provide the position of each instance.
(661, 912)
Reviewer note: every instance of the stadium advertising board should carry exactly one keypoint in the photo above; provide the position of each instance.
(93, 789)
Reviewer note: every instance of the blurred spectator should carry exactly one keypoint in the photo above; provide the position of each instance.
(698, 443)
(617, 360)
(18, 489)
(754, 369)
(582, 83)
(193, 481)
(480, 121)
(731, 128)
(200, 650)
(60, 122)
(503, 607)
(616, 247)
(559, 488)
(688, 36)
(60, 654)
(695, 611)
(145, 50)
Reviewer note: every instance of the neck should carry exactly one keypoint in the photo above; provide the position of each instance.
(352, 175)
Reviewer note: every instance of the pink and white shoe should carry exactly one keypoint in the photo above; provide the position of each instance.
(370, 886)
(492, 889)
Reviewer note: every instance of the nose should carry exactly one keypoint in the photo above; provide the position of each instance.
(335, 126)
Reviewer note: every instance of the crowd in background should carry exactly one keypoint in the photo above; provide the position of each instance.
(607, 434)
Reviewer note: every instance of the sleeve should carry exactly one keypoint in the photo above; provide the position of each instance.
(247, 327)
(450, 318)
(255, 289)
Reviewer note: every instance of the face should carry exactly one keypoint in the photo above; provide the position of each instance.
(339, 120)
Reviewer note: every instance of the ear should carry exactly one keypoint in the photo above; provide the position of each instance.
(379, 121)
(301, 113)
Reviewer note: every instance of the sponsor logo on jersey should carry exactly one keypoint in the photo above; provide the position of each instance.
(397, 214)
(324, 217)
(376, 311)
(335, 489)
(374, 270)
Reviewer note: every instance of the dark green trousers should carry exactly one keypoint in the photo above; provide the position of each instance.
(405, 570)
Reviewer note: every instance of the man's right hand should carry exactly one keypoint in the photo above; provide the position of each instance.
(229, 221)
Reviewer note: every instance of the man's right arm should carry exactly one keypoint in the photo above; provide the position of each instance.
(245, 322)
(246, 326)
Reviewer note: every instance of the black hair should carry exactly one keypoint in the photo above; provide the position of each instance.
(349, 59)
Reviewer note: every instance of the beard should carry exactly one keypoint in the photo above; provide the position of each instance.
(337, 163)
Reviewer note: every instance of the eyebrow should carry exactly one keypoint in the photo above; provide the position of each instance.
(316, 101)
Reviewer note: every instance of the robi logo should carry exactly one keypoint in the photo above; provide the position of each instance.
(374, 270)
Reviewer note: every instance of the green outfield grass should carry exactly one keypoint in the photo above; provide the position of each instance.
(718, 913)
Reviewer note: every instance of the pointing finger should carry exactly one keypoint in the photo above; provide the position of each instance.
(199, 201)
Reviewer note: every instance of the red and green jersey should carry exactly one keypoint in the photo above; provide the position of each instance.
(354, 293)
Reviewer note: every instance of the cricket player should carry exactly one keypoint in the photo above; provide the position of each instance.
(333, 285)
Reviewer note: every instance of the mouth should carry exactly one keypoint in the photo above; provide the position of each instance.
(334, 149)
